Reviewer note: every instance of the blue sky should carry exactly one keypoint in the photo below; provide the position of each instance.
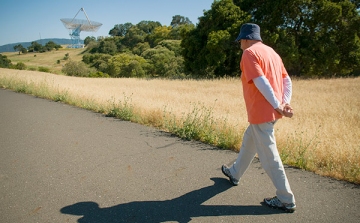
(28, 20)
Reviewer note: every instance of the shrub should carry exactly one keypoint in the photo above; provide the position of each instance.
(79, 69)
(4, 61)
(44, 69)
(20, 66)
(66, 57)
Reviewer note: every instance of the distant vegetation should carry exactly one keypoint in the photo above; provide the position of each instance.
(34, 47)
(314, 38)
(5, 62)
(10, 47)
(37, 47)
(146, 49)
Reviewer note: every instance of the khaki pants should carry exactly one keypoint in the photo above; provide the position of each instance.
(260, 139)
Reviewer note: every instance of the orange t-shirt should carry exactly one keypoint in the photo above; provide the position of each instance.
(257, 60)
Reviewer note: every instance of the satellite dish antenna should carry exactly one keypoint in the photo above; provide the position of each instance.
(77, 25)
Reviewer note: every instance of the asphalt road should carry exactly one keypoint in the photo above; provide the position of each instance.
(59, 163)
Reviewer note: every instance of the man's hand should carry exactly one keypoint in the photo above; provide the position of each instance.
(288, 111)
(285, 110)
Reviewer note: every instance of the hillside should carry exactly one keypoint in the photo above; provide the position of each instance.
(48, 59)
(10, 47)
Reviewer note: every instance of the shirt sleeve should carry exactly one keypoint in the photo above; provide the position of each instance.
(263, 85)
(287, 89)
(251, 66)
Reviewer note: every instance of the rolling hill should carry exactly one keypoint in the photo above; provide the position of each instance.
(10, 47)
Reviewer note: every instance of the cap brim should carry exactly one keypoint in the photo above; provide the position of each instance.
(238, 39)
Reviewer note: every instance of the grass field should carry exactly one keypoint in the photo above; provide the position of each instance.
(48, 59)
(323, 135)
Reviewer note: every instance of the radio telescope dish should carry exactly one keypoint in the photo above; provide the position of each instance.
(77, 25)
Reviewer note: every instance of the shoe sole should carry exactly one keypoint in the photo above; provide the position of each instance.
(280, 208)
(231, 182)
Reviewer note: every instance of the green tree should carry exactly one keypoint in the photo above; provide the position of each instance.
(120, 29)
(89, 39)
(97, 60)
(172, 45)
(163, 62)
(314, 38)
(133, 37)
(140, 48)
(35, 47)
(126, 65)
(19, 48)
(176, 32)
(92, 46)
(159, 34)
(179, 20)
(148, 26)
(51, 45)
(209, 49)
(24, 50)
(107, 46)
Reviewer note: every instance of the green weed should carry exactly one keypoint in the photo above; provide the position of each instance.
(123, 110)
(199, 124)
(295, 151)
(60, 97)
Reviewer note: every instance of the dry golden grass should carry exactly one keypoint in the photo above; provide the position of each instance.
(327, 123)
(323, 135)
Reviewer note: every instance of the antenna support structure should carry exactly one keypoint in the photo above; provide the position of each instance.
(75, 26)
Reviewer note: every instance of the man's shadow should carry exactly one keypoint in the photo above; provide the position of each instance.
(180, 209)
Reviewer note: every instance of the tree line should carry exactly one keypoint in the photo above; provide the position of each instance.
(314, 38)
(146, 49)
(37, 47)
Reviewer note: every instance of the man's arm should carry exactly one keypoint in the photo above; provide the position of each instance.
(263, 85)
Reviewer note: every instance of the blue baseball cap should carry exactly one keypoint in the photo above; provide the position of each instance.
(249, 31)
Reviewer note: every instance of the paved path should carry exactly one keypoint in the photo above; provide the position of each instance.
(63, 164)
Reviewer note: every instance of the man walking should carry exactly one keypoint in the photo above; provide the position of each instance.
(267, 91)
